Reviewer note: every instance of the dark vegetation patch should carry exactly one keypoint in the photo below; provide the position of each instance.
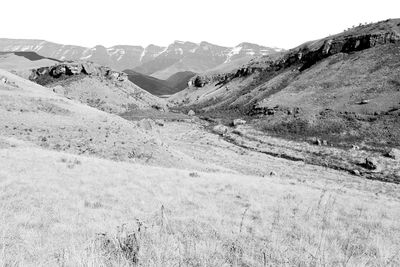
(380, 130)
(48, 80)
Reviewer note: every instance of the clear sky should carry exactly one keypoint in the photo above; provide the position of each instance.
(281, 23)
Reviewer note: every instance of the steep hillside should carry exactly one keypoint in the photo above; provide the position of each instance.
(198, 58)
(37, 117)
(344, 87)
(229, 66)
(118, 57)
(97, 86)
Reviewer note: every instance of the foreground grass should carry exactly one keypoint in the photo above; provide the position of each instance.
(62, 210)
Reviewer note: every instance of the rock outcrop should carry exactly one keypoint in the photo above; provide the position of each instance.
(304, 56)
(220, 129)
(394, 153)
(238, 122)
(46, 75)
(97, 86)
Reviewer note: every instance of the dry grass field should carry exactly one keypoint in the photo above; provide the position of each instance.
(80, 187)
(61, 209)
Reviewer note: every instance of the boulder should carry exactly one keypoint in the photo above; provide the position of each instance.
(74, 69)
(363, 102)
(198, 81)
(89, 68)
(147, 124)
(191, 113)
(371, 163)
(317, 142)
(393, 153)
(220, 129)
(59, 90)
(355, 147)
(58, 70)
(117, 76)
(159, 122)
(238, 122)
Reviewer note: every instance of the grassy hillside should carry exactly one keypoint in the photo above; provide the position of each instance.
(82, 187)
(68, 210)
(97, 86)
(344, 88)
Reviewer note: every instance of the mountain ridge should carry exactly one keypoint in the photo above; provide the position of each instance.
(119, 57)
(187, 56)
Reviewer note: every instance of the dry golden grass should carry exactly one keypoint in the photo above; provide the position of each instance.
(59, 209)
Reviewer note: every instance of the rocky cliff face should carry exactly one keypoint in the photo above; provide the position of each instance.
(304, 56)
(47, 75)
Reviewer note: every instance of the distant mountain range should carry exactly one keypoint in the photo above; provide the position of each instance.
(160, 62)
(118, 57)
(198, 58)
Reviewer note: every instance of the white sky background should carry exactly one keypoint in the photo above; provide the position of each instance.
(281, 23)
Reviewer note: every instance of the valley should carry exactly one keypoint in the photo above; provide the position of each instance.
(202, 155)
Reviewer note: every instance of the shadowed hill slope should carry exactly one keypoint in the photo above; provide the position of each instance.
(172, 85)
(180, 80)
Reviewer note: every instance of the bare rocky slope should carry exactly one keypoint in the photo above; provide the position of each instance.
(97, 86)
(343, 88)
